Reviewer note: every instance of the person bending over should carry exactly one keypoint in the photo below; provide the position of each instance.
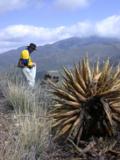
(26, 64)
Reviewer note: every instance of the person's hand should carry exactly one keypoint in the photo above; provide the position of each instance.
(34, 64)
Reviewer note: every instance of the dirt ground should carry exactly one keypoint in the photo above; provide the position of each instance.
(5, 121)
(62, 153)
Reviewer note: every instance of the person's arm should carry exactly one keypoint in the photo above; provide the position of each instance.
(23, 62)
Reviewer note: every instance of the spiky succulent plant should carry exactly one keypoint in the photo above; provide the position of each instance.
(88, 101)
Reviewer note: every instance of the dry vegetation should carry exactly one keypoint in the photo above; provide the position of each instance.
(83, 123)
(28, 136)
(88, 107)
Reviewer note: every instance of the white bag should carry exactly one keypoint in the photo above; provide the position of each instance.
(30, 74)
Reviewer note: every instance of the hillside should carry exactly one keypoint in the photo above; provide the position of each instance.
(25, 122)
(66, 52)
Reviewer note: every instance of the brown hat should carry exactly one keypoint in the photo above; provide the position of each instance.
(32, 45)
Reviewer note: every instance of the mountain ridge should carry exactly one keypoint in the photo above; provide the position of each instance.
(66, 52)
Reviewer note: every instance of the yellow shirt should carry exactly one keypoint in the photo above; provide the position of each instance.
(26, 56)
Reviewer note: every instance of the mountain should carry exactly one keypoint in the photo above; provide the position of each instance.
(67, 52)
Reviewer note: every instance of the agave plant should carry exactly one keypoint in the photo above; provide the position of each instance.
(88, 101)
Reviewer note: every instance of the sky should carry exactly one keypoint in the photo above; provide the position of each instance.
(48, 21)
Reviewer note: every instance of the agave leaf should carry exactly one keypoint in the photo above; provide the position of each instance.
(58, 123)
(84, 70)
(108, 92)
(114, 99)
(116, 110)
(104, 76)
(89, 72)
(114, 102)
(106, 67)
(57, 108)
(79, 79)
(69, 120)
(115, 106)
(73, 88)
(108, 128)
(76, 123)
(58, 105)
(64, 94)
(93, 88)
(107, 111)
(116, 118)
(105, 82)
(96, 77)
(73, 104)
(64, 130)
(70, 113)
(68, 73)
(96, 70)
(116, 86)
(117, 73)
(76, 85)
(111, 94)
(78, 137)
(78, 88)
(66, 103)
(79, 97)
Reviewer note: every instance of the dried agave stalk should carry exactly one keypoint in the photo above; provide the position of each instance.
(88, 101)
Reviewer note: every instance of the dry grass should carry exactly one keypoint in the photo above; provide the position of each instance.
(29, 135)
(19, 98)
(29, 138)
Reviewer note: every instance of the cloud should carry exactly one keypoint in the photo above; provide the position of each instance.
(9, 5)
(71, 4)
(109, 27)
(19, 35)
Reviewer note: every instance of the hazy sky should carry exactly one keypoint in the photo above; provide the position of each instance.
(47, 21)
